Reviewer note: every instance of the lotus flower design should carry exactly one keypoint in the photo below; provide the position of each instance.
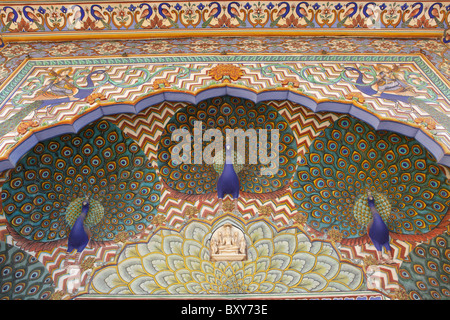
(172, 262)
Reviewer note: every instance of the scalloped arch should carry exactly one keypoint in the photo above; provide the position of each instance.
(314, 105)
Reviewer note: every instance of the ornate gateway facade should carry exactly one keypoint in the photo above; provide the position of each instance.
(94, 205)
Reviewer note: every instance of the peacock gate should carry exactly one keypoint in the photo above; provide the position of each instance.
(120, 178)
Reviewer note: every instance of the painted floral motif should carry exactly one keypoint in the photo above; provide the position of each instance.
(158, 46)
(342, 45)
(431, 45)
(445, 68)
(225, 72)
(204, 45)
(386, 46)
(253, 45)
(427, 122)
(160, 83)
(297, 45)
(63, 49)
(290, 82)
(3, 72)
(16, 50)
(109, 48)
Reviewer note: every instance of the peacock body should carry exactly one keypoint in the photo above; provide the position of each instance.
(228, 182)
(78, 236)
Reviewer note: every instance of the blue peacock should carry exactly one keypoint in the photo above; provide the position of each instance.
(201, 180)
(350, 162)
(47, 191)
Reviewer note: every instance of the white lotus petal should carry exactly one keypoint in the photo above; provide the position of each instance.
(280, 261)
(131, 268)
(306, 259)
(284, 243)
(327, 266)
(291, 278)
(177, 288)
(313, 282)
(143, 285)
(183, 275)
(173, 245)
(165, 278)
(175, 262)
(154, 263)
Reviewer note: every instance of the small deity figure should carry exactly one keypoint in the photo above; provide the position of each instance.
(227, 246)
(214, 248)
(242, 246)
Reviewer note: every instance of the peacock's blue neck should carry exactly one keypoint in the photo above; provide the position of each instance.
(84, 212)
(228, 157)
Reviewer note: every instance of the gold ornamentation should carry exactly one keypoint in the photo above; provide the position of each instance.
(300, 218)
(87, 264)
(369, 261)
(265, 210)
(335, 235)
(121, 237)
(291, 82)
(24, 126)
(399, 294)
(58, 295)
(355, 96)
(427, 122)
(160, 83)
(228, 205)
(191, 212)
(225, 72)
(94, 96)
(159, 220)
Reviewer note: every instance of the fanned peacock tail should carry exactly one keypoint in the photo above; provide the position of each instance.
(43, 195)
(425, 274)
(348, 159)
(195, 181)
(23, 276)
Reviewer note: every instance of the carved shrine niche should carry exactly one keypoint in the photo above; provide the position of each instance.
(228, 244)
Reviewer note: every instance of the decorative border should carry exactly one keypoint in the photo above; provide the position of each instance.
(254, 93)
(352, 295)
(111, 19)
